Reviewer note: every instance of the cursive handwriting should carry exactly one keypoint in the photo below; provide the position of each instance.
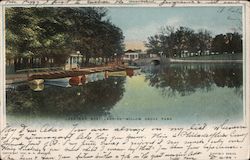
(197, 141)
(171, 3)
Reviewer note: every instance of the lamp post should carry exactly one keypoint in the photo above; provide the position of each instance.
(78, 58)
(115, 54)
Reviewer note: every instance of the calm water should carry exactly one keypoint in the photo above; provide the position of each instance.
(179, 93)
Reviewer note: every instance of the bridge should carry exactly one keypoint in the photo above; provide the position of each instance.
(149, 60)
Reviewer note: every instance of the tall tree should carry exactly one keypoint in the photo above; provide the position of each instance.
(56, 33)
(183, 41)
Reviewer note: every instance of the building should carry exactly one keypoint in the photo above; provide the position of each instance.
(23, 65)
(132, 55)
(73, 61)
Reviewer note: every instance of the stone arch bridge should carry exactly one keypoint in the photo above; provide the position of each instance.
(149, 60)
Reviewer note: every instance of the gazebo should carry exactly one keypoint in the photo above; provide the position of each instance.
(74, 61)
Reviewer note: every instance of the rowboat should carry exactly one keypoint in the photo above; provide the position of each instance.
(36, 87)
(100, 75)
(117, 74)
(132, 67)
(60, 82)
(83, 79)
(129, 72)
(75, 81)
(36, 81)
(90, 77)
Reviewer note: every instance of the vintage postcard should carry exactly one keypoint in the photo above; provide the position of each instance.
(124, 80)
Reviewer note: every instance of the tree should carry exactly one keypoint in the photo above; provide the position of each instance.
(56, 33)
(230, 43)
(218, 43)
(183, 41)
(154, 44)
(203, 40)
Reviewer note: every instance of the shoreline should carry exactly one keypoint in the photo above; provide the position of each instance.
(203, 61)
(24, 77)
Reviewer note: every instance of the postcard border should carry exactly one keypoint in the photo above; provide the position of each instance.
(245, 24)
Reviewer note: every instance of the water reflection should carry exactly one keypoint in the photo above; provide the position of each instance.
(185, 79)
(188, 93)
(92, 98)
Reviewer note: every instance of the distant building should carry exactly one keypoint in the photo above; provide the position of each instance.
(132, 55)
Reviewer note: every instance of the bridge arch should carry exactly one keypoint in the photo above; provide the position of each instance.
(155, 61)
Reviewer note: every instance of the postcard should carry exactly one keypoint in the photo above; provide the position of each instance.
(124, 80)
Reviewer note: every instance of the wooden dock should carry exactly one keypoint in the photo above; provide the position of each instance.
(74, 73)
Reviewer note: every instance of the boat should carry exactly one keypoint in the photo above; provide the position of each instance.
(100, 75)
(132, 67)
(36, 81)
(60, 82)
(90, 77)
(129, 72)
(117, 74)
(83, 79)
(75, 81)
(36, 87)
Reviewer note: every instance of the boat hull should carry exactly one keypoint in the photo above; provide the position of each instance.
(60, 82)
(117, 74)
(36, 81)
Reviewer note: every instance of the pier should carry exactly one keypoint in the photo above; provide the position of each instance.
(55, 74)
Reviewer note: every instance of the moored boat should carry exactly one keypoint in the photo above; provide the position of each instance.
(117, 74)
(36, 81)
(101, 75)
(132, 67)
(75, 81)
(36, 87)
(60, 82)
(129, 72)
(90, 77)
(83, 79)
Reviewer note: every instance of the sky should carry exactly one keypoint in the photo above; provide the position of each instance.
(138, 23)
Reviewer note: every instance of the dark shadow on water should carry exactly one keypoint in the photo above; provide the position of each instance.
(185, 79)
(100, 97)
(95, 98)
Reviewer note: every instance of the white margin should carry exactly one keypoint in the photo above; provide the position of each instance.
(188, 3)
(247, 65)
(246, 49)
(2, 68)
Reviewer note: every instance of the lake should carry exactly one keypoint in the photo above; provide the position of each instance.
(166, 94)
